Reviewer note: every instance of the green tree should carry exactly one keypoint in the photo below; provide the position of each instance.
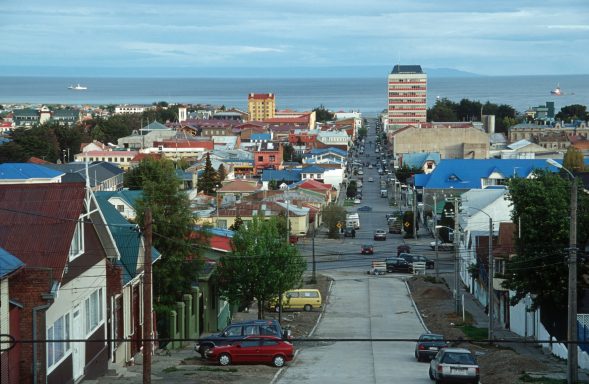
(12, 152)
(443, 110)
(573, 160)
(177, 270)
(541, 209)
(39, 141)
(352, 189)
(208, 180)
(573, 112)
(322, 114)
(221, 173)
(362, 132)
(117, 126)
(333, 215)
(404, 172)
(261, 266)
(236, 224)
(468, 110)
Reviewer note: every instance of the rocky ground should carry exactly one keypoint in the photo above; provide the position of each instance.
(499, 363)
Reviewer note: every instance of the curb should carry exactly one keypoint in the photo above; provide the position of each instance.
(415, 307)
(279, 373)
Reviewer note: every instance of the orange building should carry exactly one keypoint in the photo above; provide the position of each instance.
(268, 155)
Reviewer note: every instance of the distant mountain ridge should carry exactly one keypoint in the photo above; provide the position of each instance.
(360, 71)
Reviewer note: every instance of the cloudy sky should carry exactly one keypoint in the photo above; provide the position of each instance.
(498, 37)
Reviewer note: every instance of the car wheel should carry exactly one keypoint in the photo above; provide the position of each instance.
(307, 308)
(431, 375)
(224, 359)
(418, 357)
(204, 350)
(278, 361)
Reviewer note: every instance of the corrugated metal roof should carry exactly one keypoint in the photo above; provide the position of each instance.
(23, 171)
(37, 222)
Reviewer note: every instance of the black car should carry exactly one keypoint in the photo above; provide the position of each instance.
(396, 264)
(240, 330)
(428, 346)
(411, 258)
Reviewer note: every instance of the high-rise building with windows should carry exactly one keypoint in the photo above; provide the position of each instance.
(407, 88)
(261, 106)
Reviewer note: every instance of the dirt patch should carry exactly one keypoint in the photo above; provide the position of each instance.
(498, 364)
(195, 369)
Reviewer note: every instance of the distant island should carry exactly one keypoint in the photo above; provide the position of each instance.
(350, 71)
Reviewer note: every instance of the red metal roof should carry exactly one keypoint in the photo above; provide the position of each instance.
(260, 96)
(37, 222)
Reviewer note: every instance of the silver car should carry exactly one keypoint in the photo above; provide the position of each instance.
(454, 365)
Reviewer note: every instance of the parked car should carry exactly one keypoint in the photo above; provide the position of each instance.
(306, 299)
(454, 365)
(240, 330)
(380, 234)
(411, 258)
(253, 349)
(442, 246)
(349, 232)
(357, 201)
(367, 249)
(364, 208)
(428, 346)
(370, 179)
(396, 264)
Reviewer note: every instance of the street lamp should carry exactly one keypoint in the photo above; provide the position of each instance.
(572, 289)
(435, 215)
(491, 272)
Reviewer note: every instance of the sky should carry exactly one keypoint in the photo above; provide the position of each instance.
(208, 37)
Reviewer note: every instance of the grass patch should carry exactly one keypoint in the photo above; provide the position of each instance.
(433, 279)
(348, 203)
(216, 369)
(475, 333)
(525, 378)
(170, 369)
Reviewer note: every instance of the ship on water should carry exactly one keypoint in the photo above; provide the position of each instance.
(77, 87)
(556, 91)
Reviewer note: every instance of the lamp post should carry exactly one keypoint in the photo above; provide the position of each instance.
(572, 288)
(491, 274)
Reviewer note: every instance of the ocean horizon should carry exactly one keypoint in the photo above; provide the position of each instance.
(367, 95)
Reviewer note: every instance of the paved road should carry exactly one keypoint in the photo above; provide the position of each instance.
(361, 306)
(367, 307)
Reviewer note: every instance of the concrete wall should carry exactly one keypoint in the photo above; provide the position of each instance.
(451, 143)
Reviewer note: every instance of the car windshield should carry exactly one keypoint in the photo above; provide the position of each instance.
(458, 358)
(431, 337)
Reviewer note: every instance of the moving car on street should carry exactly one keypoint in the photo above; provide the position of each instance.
(442, 246)
(380, 234)
(428, 345)
(411, 258)
(367, 249)
(349, 232)
(253, 349)
(454, 365)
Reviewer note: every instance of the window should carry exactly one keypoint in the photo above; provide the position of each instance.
(233, 331)
(94, 310)
(272, 158)
(121, 208)
(60, 330)
(260, 158)
(251, 330)
(77, 246)
(222, 224)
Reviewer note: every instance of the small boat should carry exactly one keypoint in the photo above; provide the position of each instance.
(77, 87)
(556, 91)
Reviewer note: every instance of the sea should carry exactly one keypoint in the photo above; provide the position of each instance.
(366, 95)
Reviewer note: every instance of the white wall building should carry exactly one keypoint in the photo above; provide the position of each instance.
(407, 96)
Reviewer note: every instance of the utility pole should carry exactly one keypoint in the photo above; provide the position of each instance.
(456, 258)
(414, 213)
(147, 291)
(436, 235)
(491, 290)
(572, 308)
(314, 265)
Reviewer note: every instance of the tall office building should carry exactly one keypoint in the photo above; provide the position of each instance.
(407, 87)
(261, 106)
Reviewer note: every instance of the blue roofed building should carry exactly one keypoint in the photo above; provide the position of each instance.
(26, 173)
(124, 201)
(260, 137)
(287, 176)
(325, 155)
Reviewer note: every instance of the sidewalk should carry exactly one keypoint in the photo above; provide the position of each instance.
(481, 320)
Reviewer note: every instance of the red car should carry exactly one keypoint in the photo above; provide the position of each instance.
(253, 349)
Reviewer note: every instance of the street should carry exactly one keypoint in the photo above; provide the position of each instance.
(363, 306)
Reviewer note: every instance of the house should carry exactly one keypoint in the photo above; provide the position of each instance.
(268, 155)
(125, 284)
(232, 191)
(124, 201)
(95, 145)
(102, 176)
(67, 116)
(9, 319)
(145, 137)
(335, 139)
(58, 232)
(325, 155)
(26, 117)
(533, 132)
(121, 158)
(28, 173)
(425, 161)
(287, 176)
(524, 149)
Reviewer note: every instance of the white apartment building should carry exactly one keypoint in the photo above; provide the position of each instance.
(407, 95)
